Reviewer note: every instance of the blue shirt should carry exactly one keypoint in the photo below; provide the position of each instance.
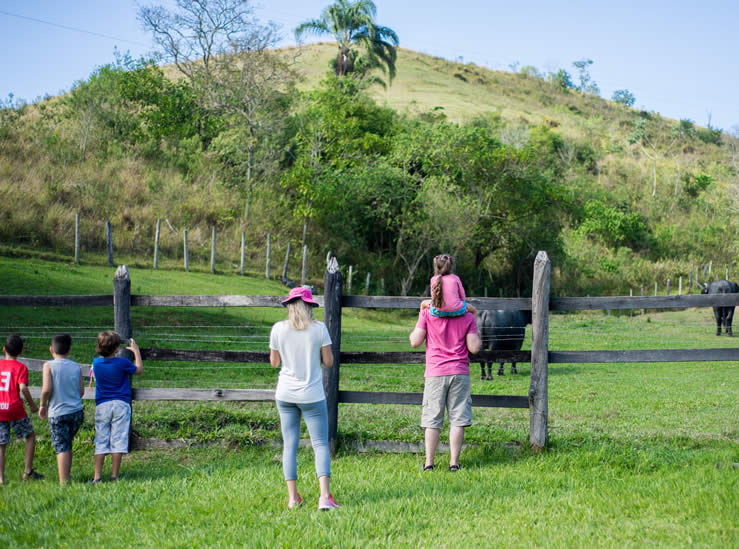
(112, 381)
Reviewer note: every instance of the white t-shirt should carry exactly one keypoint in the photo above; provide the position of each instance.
(301, 379)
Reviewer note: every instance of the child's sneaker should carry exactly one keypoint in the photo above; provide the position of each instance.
(327, 504)
(33, 475)
(293, 504)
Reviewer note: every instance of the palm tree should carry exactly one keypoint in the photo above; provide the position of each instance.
(351, 23)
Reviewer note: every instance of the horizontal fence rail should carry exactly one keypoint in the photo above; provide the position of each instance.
(56, 300)
(384, 302)
(655, 302)
(402, 357)
(390, 357)
(262, 395)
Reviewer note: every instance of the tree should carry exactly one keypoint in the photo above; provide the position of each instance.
(587, 84)
(199, 30)
(339, 130)
(252, 91)
(561, 79)
(624, 97)
(352, 24)
(227, 55)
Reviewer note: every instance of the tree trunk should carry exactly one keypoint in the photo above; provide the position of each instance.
(249, 163)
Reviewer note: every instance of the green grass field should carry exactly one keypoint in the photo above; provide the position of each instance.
(640, 454)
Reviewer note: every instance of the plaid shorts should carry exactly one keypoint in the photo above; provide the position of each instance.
(21, 427)
(63, 429)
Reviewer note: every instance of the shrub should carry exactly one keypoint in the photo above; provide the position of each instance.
(624, 97)
(710, 135)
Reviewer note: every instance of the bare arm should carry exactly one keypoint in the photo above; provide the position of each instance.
(274, 358)
(327, 356)
(134, 348)
(46, 387)
(473, 343)
(417, 337)
(28, 397)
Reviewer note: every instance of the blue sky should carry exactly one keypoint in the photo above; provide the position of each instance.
(679, 58)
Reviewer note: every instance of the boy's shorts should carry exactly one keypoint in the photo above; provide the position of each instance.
(112, 423)
(450, 392)
(21, 427)
(63, 429)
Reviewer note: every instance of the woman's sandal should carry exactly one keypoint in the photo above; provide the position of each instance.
(428, 467)
(454, 468)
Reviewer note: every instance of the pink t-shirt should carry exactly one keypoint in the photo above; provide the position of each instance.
(452, 292)
(446, 343)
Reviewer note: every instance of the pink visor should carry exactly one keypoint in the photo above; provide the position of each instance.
(300, 292)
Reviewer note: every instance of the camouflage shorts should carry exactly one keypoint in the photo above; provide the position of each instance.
(21, 427)
(63, 429)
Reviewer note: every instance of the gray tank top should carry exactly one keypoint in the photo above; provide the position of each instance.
(65, 392)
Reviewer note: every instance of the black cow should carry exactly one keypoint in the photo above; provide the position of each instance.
(502, 331)
(723, 315)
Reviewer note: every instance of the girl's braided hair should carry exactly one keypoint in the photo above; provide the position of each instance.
(443, 265)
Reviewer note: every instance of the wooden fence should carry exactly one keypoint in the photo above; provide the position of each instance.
(334, 301)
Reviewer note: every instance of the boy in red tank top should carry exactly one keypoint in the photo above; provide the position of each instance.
(13, 382)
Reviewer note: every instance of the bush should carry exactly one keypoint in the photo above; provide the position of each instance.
(710, 135)
(624, 97)
(615, 226)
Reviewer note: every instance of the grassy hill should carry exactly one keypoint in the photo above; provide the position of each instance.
(679, 178)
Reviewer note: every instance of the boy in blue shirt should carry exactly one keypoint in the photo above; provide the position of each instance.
(112, 400)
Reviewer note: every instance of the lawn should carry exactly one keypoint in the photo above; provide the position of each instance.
(639, 454)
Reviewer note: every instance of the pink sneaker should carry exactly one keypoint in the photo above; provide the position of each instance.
(327, 504)
(293, 504)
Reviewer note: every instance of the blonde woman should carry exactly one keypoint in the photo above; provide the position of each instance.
(300, 344)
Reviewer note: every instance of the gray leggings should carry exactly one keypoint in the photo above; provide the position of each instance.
(316, 419)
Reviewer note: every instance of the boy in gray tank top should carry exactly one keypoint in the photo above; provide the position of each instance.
(61, 401)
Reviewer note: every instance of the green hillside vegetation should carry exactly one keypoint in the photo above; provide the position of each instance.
(491, 166)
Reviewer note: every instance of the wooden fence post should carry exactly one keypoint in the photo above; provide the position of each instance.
(332, 283)
(122, 320)
(243, 251)
(109, 238)
(269, 255)
(349, 283)
(667, 287)
(680, 286)
(122, 302)
(382, 286)
(156, 243)
(77, 238)
(287, 261)
(213, 250)
(643, 311)
(539, 387)
(304, 268)
(186, 251)
(367, 284)
(631, 294)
